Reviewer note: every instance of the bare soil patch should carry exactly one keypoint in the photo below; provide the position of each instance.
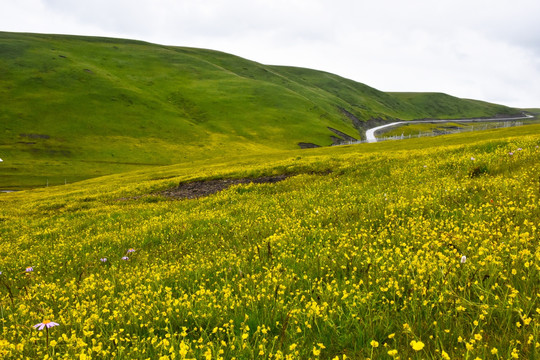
(304, 145)
(197, 189)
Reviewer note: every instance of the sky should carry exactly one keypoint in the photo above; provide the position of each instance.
(481, 49)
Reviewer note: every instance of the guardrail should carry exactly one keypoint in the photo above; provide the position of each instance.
(438, 132)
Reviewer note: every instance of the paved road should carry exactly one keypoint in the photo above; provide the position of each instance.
(370, 133)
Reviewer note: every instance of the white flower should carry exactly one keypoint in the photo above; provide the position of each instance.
(463, 259)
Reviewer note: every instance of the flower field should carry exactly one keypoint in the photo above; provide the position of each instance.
(429, 251)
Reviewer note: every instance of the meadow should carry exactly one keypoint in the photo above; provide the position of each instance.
(419, 249)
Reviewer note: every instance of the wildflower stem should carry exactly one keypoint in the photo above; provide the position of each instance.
(9, 291)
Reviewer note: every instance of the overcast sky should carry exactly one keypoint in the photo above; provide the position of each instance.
(481, 49)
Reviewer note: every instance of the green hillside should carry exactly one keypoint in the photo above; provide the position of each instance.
(77, 107)
(433, 104)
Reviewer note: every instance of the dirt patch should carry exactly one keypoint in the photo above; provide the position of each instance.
(197, 189)
(304, 145)
(357, 123)
(343, 138)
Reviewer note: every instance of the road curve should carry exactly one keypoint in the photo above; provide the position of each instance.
(370, 133)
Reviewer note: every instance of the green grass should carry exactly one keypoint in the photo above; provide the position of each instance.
(415, 129)
(443, 106)
(78, 107)
(362, 247)
(422, 128)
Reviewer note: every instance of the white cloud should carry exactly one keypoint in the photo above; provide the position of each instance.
(482, 49)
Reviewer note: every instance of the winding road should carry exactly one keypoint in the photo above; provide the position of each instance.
(370, 133)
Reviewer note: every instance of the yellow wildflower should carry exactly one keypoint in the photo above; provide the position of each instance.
(392, 352)
(417, 345)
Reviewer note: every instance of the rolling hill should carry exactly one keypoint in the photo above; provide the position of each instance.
(78, 107)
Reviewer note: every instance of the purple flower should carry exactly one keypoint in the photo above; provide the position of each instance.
(510, 153)
(29, 269)
(103, 259)
(131, 251)
(519, 149)
(472, 159)
(46, 324)
(125, 258)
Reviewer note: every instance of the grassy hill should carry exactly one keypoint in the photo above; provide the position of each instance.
(417, 249)
(78, 107)
(439, 103)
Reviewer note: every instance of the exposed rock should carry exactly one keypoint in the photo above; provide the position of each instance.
(344, 137)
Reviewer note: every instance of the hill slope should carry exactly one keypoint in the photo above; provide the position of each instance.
(77, 107)
(364, 251)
